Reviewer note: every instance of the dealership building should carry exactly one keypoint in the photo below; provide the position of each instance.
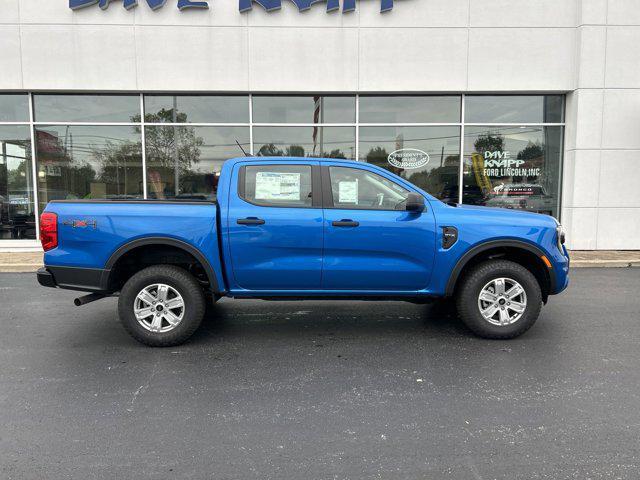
(531, 105)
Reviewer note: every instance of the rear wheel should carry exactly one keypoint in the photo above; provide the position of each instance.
(499, 299)
(161, 306)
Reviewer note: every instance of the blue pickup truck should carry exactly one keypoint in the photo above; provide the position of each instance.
(302, 228)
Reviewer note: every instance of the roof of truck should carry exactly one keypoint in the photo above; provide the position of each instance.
(281, 159)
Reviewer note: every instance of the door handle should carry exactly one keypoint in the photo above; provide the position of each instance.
(250, 221)
(345, 223)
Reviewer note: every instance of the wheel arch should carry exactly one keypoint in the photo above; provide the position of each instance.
(160, 242)
(526, 254)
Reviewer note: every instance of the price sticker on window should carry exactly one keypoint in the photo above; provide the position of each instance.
(348, 191)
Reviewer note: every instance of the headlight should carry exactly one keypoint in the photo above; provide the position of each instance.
(560, 236)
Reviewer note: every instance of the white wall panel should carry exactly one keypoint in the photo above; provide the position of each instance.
(9, 11)
(308, 59)
(586, 128)
(618, 229)
(416, 13)
(621, 126)
(592, 41)
(192, 58)
(592, 12)
(620, 178)
(581, 178)
(418, 59)
(581, 225)
(10, 58)
(521, 59)
(74, 57)
(623, 57)
(58, 11)
(532, 13)
(624, 12)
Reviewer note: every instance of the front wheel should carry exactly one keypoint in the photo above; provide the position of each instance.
(499, 299)
(161, 306)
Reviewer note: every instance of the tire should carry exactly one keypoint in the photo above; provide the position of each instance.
(496, 276)
(165, 327)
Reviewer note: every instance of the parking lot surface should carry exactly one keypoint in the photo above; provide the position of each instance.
(315, 390)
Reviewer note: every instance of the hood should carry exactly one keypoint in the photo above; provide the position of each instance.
(519, 216)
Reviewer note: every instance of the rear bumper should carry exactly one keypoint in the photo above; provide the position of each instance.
(45, 278)
(73, 278)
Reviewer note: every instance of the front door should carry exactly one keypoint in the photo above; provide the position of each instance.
(371, 242)
(275, 226)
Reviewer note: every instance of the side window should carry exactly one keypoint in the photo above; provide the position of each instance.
(277, 185)
(359, 189)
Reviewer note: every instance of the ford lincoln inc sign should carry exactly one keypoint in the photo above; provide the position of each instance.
(244, 5)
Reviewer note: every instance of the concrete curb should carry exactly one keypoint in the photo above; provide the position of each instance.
(606, 263)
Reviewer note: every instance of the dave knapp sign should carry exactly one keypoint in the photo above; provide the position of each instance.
(500, 164)
(244, 5)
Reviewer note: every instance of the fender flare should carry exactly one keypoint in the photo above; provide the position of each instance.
(197, 254)
(462, 262)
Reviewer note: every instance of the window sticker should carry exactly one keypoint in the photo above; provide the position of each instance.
(277, 186)
(348, 191)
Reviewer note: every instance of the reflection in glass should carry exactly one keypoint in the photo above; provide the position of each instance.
(14, 107)
(87, 108)
(77, 162)
(307, 109)
(352, 188)
(513, 167)
(328, 142)
(410, 109)
(439, 176)
(196, 109)
(17, 218)
(185, 162)
(514, 108)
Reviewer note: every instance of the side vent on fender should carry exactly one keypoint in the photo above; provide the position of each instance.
(449, 237)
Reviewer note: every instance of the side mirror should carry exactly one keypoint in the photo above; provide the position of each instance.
(415, 203)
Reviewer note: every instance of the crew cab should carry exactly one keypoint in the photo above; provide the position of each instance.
(302, 228)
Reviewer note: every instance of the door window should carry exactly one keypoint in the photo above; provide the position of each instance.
(277, 185)
(354, 188)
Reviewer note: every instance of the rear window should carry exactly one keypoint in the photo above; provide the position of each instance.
(277, 185)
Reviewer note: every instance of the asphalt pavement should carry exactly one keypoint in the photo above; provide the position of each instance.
(322, 390)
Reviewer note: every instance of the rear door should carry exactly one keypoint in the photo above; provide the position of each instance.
(371, 241)
(275, 226)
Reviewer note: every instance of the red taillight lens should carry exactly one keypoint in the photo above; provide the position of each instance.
(49, 230)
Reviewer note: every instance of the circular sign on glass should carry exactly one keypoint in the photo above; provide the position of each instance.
(408, 158)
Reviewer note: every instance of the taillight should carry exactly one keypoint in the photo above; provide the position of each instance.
(49, 230)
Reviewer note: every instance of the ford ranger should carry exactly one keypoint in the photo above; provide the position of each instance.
(302, 228)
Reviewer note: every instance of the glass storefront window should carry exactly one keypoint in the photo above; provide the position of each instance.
(513, 167)
(90, 145)
(307, 109)
(514, 108)
(87, 108)
(410, 109)
(14, 108)
(437, 172)
(331, 142)
(185, 162)
(17, 218)
(75, 162)
(196, 109)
